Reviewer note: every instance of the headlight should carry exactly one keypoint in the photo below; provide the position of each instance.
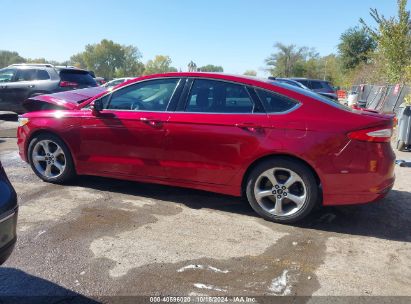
(23, 121)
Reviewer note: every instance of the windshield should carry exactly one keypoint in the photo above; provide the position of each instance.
(313, 95)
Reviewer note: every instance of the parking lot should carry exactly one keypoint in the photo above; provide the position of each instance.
(100, 237)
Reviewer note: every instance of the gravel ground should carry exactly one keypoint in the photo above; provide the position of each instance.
(100, 237)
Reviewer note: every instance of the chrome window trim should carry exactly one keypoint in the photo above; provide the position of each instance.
(183, 112)
(138, 82)
(220, 80)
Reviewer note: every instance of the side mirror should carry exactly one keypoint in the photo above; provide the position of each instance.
(98, 105)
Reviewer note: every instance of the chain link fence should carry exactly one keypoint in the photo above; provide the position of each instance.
(385, 99)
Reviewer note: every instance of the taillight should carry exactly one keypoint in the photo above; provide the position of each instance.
(372, 135)
(65, 84)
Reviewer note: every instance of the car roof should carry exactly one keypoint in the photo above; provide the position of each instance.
(310, 79)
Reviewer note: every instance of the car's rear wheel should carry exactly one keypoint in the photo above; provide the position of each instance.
(50, 159)
(282, 190)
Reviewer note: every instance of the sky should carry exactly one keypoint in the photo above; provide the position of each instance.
(236, 34)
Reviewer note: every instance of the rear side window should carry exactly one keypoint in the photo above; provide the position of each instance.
(211, 96)
(316, 85)
(42, 75)
(275, 103)
(79, 77)
(27, 75)
(304, 82)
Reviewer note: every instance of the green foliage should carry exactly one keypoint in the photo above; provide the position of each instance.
(393, 36)
(131, 67)
(355, 47)
(109, 59)
(7, 58)
(250, 73)
(159, 65)
(211, 68)
(291, 60)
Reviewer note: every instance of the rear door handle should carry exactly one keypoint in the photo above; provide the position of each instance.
(31, 86)
(152, 122)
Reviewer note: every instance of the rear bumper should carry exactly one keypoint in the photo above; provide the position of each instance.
(360, 196)
(365, 176)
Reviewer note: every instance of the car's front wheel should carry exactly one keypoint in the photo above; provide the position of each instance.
(50, 159)
(282, 190)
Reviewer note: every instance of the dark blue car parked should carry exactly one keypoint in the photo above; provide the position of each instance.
(8, 216)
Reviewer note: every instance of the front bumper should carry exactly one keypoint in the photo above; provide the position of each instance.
(8, 235)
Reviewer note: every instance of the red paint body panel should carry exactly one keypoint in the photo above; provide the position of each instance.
(213, 152)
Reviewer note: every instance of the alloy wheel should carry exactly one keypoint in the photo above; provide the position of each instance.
(48, 159)
(280, 191)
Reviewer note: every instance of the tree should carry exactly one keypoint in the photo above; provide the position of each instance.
(289, 60)
(159, 65)
(7, 58)
(192, 67)
(109, 59)
(250, 73)
(356, 46)
(393, 36)
(211, 68)
(131, 63)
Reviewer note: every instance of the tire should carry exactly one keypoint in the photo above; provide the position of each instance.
(282, 199)
(44, 153)
(401, 146)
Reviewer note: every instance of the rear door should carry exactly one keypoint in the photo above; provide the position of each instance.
(218, 128)
(127, 137)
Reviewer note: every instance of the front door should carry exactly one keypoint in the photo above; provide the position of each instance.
(127, 137)
(7, 92)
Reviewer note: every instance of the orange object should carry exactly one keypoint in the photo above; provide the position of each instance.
(341, 94)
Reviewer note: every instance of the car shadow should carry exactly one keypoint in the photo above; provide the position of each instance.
(389, 218)
(20, 287)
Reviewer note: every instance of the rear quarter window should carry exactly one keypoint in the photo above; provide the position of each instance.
(275, 103)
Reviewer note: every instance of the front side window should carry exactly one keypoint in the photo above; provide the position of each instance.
(6, 75)
(27, 75)
(152, 96)
(211, 96)
(275, 103)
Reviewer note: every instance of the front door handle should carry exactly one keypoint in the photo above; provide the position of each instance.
(249, 126)
(31, 86)
(155, 123)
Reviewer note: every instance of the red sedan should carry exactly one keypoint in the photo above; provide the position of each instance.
(285, 149)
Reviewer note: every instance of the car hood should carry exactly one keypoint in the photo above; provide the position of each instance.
(69, 100)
